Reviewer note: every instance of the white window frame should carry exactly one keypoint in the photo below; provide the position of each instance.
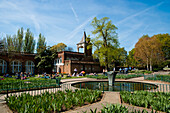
(31, 67)
(18, 65)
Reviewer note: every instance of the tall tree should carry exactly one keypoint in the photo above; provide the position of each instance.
(141, 50)
(105, 40)
(165, 44)
(148, 51)
(45, 59)
(29, 42)
(20, 36)
(131, 61)
(1, 45)
(41, 44)
(59, 47)
(10, 43)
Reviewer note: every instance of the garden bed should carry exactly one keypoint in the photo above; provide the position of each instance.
(158, 101)
(52, 102)
(165, 78)
(24, 85)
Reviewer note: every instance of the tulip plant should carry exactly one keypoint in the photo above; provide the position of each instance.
(159, 101)
(52, 102)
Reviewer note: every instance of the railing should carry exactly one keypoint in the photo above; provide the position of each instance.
(16, 86)
(52, 86)
(165, 78)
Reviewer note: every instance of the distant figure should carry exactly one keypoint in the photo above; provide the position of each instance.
(75, 71)
(120, 70)
(103, 71)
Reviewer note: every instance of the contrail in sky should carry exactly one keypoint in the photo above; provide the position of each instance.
(139, 13)
(74, 12)
(76, 30)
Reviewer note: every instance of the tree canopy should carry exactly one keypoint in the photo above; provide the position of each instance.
(45, 59)
(151, 51)
(22, 42)
(105, 41)
(41, 44)
(59, 47)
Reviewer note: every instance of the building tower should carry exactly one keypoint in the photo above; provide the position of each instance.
(83, 44)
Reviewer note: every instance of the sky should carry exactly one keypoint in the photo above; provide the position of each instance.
(66, 20)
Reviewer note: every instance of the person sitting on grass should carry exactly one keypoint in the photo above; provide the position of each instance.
(68, 75)
(18, 76)
(23, 77)
(1, 78)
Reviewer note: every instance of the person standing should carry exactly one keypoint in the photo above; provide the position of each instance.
(75, 71)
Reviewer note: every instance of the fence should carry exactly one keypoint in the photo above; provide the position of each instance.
(165, 78)
(51, 86)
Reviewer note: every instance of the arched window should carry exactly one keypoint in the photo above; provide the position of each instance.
(29, 67)
(3, 66)
(16, 66)
(55, 68)
(57, 63)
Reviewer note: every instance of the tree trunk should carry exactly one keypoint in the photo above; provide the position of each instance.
(147, 65)
(150, 64)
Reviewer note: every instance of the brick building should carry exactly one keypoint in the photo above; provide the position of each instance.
(65, 62)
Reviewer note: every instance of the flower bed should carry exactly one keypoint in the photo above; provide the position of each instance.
(52, 102)
(158, 101)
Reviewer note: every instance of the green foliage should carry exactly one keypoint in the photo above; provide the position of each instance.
(59, 47)
(51, 102)
(105, 41)
(29, 42)
(117, 76)
(128, 76)
(158, 101)
(41, 44)
(17, 85)
(131, 61)
(45, 60)
(165, 78)
(97, 76)
(116, 108)
(22, 42)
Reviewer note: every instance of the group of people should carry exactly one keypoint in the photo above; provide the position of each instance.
(48, 76)
(23, 76)
(82, 73)
(7, 75)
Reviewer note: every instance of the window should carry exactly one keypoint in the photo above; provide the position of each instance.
(57, 63)
(29, 67)
(55, 69)
(16, 66)
(3, 66)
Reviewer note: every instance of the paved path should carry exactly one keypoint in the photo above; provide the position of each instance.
(109, 98)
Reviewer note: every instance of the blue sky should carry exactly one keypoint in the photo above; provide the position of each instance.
(65, 20)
